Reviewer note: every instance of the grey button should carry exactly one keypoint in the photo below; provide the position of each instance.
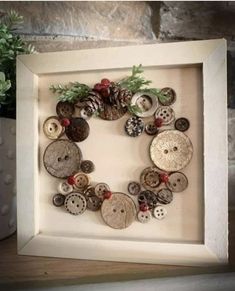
(75, 203)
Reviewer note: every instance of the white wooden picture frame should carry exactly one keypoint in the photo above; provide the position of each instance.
(211, 55)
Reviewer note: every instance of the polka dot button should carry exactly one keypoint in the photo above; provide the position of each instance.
(166, 113)
(134, 126)
(65, 188)
(81, 181)
(52, 128)
(144, 216)
(159, 212)
(177, 182)
(75, 203)
(100, 189)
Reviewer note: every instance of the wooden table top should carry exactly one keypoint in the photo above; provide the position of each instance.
(29, 271)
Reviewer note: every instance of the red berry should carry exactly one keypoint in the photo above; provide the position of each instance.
(71, 180)
(144, 207)
(65, 122)
(105, 92)
(107, 194)
(158, 122)
(105, 82)
(98, 87)
(164, 177)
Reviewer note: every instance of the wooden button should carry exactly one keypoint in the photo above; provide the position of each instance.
(87, 166)
(65, 109)
(52, 128)
(62, 158)
(134, 188)
(119, 211)
(134, 126)
(94, 203)
(65, 188)
(75, 203)
(164, 196)
(177, 182)
(166, 113)
(81, 181)
(150, 178)
(159, 212)
(144, 216)
(151, 128)
(100, 189)
(146, 102)
(167, 96)
(78, 129)
(182, 124)
(109, 112)
(58, 200)
(171, 150)
(148, 198)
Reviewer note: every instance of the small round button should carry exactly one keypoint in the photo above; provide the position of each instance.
(81, 181)
(134, 188)
(151, 128)
(146, 102)
(100, 189)
(166, 113)
(144, 216)
(159, 212)
(52, 128)
(177, 182)
(147, 198)
(94, 203)
(58, 200)
(89, 192)
(164, 196)
(75, 203)
(65, 188)
(182, 124)
(167, 96)
(87, 166)
(78, 129)
(65, 109)
(150, 178)
(134, 126)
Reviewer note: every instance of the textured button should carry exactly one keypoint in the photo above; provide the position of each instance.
(144, 216)
(110, 112)
(75, 203)
(147, 198)
(119, 211)
(167, 96)
(78, 129)
(171, 150)
(134, 188)
(177, 182)
(151, 128)
(89, 192)
(166, 113)
(100, 189)
(159, 212)
(85, 114)
(150, 178)
(65, 188)
(62, 158)
(65, 109)
(182, 124)
(94, 203)
(134, 126)
(58, 200)
(87, 166)
(52, 128)
(81, 181)
(164, 196)
(146, 102)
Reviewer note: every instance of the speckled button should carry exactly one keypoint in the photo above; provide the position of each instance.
(81, 181)
(177, 182)
(75, 203)
(159, 212)
(52, 128)
(94, 203)
(87, 166)
(147, 197)
(150, 128)
(134, 126)
(144, 216)
(119, 211)
(166, 113)
(65, 109)
(134, 188)
(164, 196)
(58, 200)
(182, 124)
(100, 189)
(62, 158)
(146, 102)
(150, 178)
(65, 188)
(171, 150)
(78, 129)
(167, 96)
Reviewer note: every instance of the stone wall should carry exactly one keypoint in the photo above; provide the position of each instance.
(54, 26)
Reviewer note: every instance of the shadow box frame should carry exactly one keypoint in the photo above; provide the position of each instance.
(211, 55)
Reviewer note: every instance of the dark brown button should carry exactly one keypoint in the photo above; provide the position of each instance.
(94, 203)
(164, 196)
(78, 130)
(182, 124)
(150, 178)
(62, 158)
(151, 129)
(134, 188)
(147, 197)
(87, 166)
(167, 96)
(58, 200)
(65, 109)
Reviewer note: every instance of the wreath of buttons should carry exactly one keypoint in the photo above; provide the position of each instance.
(170, 149)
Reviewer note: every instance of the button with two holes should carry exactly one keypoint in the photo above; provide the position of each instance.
(144, 216)
(177, 182)
(81, 181)
(100, 189)
(75, 203)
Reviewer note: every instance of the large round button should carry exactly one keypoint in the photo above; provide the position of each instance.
(62, 158)
(166, 113)
(177, 182)
(65, 188)
(171, 150)
(134, 126)
(146, 102)
(164, 196)
(144, 216)
(81, 181)
(134, 188)
(100, 189)
(118, 211)
(150, 178)
(87, 166)
(58, 200)
(52, 128)
(65, 109)
(159, 212)
(78, 129)
(75, 203)
(94, 203)
(182, 124)
(167, 96)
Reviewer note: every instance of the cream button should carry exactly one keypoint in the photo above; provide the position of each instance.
(65, 188)
(75, 203)
(159, 212)
(81, 181)
(52, 128)
(166, 113)
(144, 216)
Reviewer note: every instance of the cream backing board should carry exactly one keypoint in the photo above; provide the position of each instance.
(195, 231)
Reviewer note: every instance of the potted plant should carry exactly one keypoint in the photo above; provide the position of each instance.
(10, 46)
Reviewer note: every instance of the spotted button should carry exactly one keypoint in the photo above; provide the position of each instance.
(65, 109)
(100, 189)
(75, 203)
(81, 181)
(177, 182)
(182, 124)
(134, 188)
(52, 128)
(159, 212)
(65, 188)
(134, 126)
(78, 129)
(58, 200)
(151, 128)
(167, 96)
(150, 178)
(87, 166)
(166, 113)
(94, 203)
(164, 196)
(144, 216)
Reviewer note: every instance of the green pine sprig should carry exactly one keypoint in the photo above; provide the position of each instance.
(134, 109)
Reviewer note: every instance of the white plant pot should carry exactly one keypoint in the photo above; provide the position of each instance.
(7, 177)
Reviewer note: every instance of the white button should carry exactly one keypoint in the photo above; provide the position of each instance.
(144, 216)
(65, 188)
(100, 189)
(159, 212)
(166, 113)
(5, 209)
(84, 114)
(8, 179)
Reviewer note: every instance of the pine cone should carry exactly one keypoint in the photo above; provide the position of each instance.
(119, 97)
(93, 102)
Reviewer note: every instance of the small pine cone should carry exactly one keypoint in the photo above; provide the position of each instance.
(119, 97)
(93, 102)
